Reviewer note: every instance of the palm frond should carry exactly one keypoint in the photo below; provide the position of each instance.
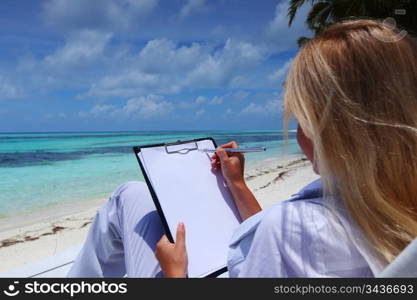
(319, 14)
(293, 8)
(324, 13)
(301, 41)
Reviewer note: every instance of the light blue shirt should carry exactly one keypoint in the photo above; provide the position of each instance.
(301, 237)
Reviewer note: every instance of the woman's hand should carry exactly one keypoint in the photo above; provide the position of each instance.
(173, 257)
(230, 163)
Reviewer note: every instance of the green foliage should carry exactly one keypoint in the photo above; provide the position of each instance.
(324, 13)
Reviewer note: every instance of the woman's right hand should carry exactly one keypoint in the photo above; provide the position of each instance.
(231, 164)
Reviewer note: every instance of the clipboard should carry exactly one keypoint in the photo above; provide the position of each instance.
(184, 188)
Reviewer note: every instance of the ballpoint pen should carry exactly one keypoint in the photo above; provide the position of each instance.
(240, 150)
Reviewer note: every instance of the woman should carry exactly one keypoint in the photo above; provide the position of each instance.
(353, 91)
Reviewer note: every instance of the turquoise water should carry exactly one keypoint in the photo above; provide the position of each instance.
(42, 169)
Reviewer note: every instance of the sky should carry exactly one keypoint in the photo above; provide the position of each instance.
(104, 65)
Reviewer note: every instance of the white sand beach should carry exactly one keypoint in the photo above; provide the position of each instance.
(31, 237)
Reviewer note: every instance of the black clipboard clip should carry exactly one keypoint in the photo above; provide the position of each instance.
(182, 150)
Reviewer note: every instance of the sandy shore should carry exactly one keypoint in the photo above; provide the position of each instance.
(31, 237)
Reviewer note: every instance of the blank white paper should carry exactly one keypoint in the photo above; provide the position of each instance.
(190, 192)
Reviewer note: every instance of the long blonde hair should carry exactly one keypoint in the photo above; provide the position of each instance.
(353, 90)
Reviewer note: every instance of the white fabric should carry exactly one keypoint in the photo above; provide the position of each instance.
(300, 237)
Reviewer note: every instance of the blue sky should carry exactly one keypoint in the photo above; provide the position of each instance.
(144, 64)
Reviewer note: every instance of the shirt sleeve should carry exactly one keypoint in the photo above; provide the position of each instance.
(300, 239)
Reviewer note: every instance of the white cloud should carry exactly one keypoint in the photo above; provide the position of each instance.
(193, 6)
(56, 116)
(130, 83)
(239, 81)
(130, 78)
(200, 112)
(165, 67)
(281, 72)
(148, 107)
(280, 37)
(239, 96)
(253, 108)
(74, 65)
(201, 100)
(280, 21)
(102, 109)
(8, 90)
(99, 66)
(81, 48)
(113, 15)
(269, 107)
(99, 62)
(160, 67)
(216, 100)
(162, 55)
(224, 65)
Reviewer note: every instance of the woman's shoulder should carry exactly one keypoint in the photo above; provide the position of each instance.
(301, 237)
(297, 212)
(306, 210)
(287, 213)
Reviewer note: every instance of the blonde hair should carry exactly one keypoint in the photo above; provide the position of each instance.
(353, 90)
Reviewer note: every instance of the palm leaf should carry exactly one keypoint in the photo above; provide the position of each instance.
(301, 41)
(323, 13)
(293, 8)
(319, 14)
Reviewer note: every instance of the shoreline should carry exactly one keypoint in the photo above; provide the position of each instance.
(30, 237)
(59, 210)
(49, 213)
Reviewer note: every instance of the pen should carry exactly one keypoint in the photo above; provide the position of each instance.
(240, 150)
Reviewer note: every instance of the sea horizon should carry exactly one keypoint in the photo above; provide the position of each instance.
(40, 169)
(162, 130)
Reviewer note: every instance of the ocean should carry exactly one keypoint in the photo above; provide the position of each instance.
(38, 170)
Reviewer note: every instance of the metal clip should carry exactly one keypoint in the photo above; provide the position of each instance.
(182, 150)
